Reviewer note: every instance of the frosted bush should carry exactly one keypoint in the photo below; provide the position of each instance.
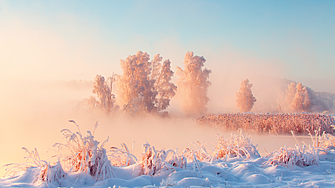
(235, 146)
(52, 174)
(85, 154)
(122, 156)
(32, 160)
(155, 161)
(290, 157)
(323, 142)
(326, 141)
(45, 172)
(200, 153)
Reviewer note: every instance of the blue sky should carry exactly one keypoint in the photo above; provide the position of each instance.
(78, 39)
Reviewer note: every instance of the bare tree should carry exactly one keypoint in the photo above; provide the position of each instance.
(193, 85)
(244, 98)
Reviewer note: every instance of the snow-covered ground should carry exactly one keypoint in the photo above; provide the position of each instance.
(235, 162)
(235, 173)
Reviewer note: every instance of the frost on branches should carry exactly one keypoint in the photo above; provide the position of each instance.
(244, 98)
(145, 85)
(300, 98)
(103, 98)
(193, 85)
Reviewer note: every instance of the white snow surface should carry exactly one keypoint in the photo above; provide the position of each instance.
(235, 172)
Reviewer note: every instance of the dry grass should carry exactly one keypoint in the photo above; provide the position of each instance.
(290, 157)
(235, 146)
(122, 156)
(154, 161)
(85, 154)
(301, 123)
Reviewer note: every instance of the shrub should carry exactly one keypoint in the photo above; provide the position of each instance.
(235, 146)
(154, 161)
(85, 154)
(45, 172)
(121, 157)
(290, 157)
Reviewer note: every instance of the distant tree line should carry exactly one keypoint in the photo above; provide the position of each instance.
(145, 86)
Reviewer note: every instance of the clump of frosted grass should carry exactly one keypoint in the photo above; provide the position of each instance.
(45, 172)
(199, 153)
(298, 156)
(324, 142)
(85, 154)
(52, 174)
(153, 162)
(235, 146)
(121, 156)
(290, 157)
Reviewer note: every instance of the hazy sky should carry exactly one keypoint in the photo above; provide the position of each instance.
(67, 40)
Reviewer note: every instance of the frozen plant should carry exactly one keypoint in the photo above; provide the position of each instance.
(290, 157)
(154, 161)
(244, 98)
(45, 172)
(200, 153)
(85, 154)
(122, 156)
(193, 85)
(53, 174)
(324, 142)
(235, 146)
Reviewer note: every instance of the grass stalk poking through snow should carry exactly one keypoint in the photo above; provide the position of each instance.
(235, 146)
(85, 154)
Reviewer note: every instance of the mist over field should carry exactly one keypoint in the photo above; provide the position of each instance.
(35, 112)
(160, 75)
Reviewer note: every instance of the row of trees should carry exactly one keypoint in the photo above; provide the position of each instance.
(300, 98)
(145, 85)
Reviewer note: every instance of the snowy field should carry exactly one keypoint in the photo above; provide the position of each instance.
(235, 161)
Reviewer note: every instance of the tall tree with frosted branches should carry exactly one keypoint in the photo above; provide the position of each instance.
(193, 85)
(144, 85)
(164, 87)
(304, 99)
(245, 100)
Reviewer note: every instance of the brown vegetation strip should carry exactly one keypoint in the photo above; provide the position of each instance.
(300, 124)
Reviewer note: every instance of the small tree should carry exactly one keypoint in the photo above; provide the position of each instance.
(193, 85)
(103, 99)
(244, 98)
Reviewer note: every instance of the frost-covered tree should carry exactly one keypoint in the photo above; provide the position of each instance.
(290, 92)
(103, 99)
(193, 85)
(303, 100)
(144, 85)
(244, 98)
(164, 87)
